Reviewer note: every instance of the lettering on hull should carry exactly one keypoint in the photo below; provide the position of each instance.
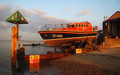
(57, 35)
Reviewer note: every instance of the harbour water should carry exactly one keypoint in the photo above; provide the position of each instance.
(5, 54)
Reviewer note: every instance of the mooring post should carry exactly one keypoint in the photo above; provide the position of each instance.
(14, 46)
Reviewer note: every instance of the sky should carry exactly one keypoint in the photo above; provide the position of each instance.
(41, 12)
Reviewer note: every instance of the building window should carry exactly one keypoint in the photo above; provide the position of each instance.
(106, 24)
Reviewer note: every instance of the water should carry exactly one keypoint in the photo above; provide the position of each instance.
(5, 58)
(5, 55)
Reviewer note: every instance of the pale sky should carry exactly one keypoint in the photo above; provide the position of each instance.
(41, 12)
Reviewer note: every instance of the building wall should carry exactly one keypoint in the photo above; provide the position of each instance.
(112, 41)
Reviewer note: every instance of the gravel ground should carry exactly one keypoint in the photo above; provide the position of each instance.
(71, 67)
(106, 62)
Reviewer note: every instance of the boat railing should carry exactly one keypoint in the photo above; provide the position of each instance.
(51, 27)
(57, 27)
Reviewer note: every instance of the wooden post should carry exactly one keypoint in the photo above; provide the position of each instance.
(15, 19)
(18, 36)
(14, 46)
(13, 69)
(18, 43)
(105, 41)
(17, 30)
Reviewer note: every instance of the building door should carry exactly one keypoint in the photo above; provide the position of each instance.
(114, 28)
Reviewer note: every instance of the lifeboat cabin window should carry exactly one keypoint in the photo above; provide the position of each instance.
(72, 26)
(86, 25)
(81, 25)
(77, 25)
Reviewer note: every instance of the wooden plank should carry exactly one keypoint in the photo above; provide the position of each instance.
(95, 46)
(61, 55)
(48, 56)
(54, 56)
(67, 54)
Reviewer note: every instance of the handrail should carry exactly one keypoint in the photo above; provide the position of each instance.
(57, 27)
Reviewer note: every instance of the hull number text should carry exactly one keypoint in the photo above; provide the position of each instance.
(57, 35)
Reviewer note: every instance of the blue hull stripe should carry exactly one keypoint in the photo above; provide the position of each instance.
(64, 35)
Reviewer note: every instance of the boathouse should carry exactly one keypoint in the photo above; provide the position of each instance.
(112, 28)
(112, 25)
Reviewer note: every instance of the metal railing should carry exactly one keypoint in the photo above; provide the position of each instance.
(52, 27)
(58, 26)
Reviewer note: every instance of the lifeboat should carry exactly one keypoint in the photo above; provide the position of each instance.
(67, 33)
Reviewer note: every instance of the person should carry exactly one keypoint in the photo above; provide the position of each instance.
(98, 38)
(81, 43)
(101, 37)
(98, 34)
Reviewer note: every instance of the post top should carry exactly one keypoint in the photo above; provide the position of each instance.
(17, 18)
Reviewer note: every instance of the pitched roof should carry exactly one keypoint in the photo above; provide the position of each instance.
(114, 16)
